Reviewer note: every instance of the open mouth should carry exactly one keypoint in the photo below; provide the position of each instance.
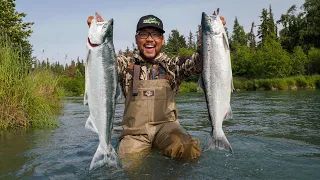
(150, 48)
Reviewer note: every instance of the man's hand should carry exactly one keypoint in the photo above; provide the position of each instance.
(90, 18)
(99, 18)
(223, 20)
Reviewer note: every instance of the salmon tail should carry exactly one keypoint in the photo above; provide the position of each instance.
(218, 142)
(105, 156)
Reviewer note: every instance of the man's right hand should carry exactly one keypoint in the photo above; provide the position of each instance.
(90, 18)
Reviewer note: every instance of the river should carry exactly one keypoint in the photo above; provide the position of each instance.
(274, 135)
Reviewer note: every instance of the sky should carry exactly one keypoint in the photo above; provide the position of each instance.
(60, 29)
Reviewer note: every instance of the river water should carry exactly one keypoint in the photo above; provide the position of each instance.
(274, 135)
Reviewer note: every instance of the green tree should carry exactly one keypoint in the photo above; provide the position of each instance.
(252, 38)
(314, 60)
(312, 33)
(291, 34)
(80, 67)
(241, 61)
(271, 25)
(71, 70)
(276, 61)
(263, 27)
(11, 24)
(239, 37)
(191, 42)
(174, 43)
(186, 52)
(298, 61)
(128, 52)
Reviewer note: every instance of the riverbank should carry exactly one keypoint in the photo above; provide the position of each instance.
(27, 98)
(243, 84)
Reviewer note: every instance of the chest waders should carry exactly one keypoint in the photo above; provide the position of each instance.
(150, 119)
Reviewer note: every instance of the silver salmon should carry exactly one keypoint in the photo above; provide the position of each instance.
(216, 78)
(101, 90)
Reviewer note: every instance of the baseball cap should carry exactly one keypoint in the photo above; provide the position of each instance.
(150, 21)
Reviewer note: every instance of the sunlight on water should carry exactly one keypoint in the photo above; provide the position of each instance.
(274, 135)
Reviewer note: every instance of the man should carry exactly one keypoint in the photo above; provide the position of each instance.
(150, 80)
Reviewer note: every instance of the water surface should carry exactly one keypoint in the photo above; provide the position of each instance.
(274, 135)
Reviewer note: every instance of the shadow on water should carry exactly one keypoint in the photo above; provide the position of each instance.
(274, 135)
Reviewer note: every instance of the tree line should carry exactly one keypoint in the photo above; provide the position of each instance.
(271, 53)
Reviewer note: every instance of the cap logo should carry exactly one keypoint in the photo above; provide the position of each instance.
(151, 21)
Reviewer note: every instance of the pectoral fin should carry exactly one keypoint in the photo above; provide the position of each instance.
(200, 84)
(90, 125)
(225, 39)
(228, 114)
(85, 98)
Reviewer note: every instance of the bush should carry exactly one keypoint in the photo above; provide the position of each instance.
(188, 87)
(301, 82)
(26, 99)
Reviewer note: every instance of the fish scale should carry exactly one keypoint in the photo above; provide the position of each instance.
(216, 78)
(101, 84)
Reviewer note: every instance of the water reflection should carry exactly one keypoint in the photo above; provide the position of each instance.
(275, 135)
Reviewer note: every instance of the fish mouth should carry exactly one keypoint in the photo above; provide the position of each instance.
(211, 24)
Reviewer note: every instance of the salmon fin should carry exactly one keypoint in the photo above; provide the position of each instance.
(90, 125)
(228, 114)
(105, 155)
(200, 84)
(119, 95)
(85, 98)
(225, 40)
(221, 143)
(232, 86)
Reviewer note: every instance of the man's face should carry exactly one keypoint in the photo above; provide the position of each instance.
(149, 41)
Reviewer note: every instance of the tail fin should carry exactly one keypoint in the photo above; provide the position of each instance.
(103, 156)
(218, 142)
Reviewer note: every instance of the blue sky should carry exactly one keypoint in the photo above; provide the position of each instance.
(60, 27)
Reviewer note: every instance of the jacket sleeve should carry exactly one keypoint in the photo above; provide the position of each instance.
(188, 65)
(123, 68)
(185, 66)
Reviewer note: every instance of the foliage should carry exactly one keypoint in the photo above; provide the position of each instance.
(186, 87)
(252, 38)
(291, 34)
(240, 60)
(312, 22)
(12, 25)
(26, 99)
(239, 37)
(298, 61)
(314, 60)
(288, 83)
(174, 43)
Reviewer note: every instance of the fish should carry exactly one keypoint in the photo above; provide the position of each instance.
(216, 79)
(101, 90)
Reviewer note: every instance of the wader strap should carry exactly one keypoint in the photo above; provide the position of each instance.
(162, 70)
(136, 76)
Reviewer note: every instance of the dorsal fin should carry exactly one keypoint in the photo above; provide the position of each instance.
(218, 11)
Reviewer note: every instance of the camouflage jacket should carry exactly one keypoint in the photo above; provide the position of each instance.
(178, 68)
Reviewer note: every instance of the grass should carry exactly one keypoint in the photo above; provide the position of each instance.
(186, 87)
(27, 99)
(288, 83)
